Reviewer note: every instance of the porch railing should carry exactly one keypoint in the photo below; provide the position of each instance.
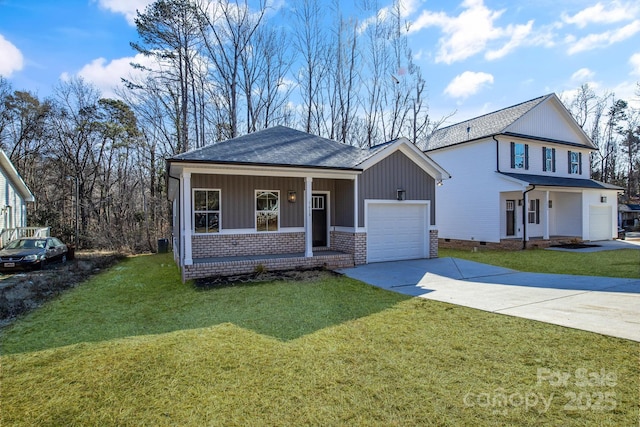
(9, 234)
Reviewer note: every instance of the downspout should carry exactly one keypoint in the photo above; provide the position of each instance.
(497, 153)
(180, 219)
(524, 216)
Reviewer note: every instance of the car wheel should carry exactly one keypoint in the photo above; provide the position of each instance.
(42, 265)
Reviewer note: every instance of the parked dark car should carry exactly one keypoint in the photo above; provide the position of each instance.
(32, 252)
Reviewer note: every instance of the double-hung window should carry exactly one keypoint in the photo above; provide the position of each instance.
(267, 210)
(548, 159)
(519, 156)
(206, 211)
(534, 211)
(575, 162)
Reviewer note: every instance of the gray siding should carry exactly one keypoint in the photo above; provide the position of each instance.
(238, 198)
(343, 203)
(396, 171)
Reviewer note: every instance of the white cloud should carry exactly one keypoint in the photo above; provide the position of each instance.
(107, 76)
(518, 35)
(126, 7)
(600, 40)
(467, 84)
(12, 59)
(602, 14)
(582, 75)
(473, 30)
(635, 64)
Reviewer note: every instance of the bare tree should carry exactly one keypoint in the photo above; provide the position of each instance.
(227, 31)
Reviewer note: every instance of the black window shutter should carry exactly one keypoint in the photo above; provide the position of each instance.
(544, 159)
(580, 163)
(569, 161)
(513, 155)
(537, 211)
(526, 156)
(553, 160)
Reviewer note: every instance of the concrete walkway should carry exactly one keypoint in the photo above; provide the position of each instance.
(598, 304)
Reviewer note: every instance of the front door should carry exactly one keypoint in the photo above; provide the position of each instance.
(511, 217)
(319, 219)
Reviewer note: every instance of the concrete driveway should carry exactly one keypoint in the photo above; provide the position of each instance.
(598, 304)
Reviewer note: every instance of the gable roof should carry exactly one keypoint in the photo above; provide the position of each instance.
(10, 172)
(498, 123)
(280, 146)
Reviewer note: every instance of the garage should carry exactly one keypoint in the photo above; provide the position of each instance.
(397, 231)
(600, 223)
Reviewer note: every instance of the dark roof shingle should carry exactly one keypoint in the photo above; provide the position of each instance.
(554, 181)
(482, 126)
(280, 146)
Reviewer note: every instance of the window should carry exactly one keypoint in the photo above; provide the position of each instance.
(206, 211)
(548, 159)
(575, 162)
(267, 210)
(519, 156)
(534, 211)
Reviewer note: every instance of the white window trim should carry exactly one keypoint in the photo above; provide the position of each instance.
(193, 211)
(255, 210)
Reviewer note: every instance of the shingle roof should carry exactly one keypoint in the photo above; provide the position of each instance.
(280, 146)
(554, 181)
(479, 127)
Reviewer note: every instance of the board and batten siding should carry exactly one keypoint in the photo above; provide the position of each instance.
(382, 180)
(238, 200)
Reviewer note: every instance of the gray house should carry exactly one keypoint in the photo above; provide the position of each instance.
(283, 199)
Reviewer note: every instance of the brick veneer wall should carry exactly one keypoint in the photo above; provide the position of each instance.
(342, 241)
(360, 255)
(433, 243)
(226, 245)
(230, 268)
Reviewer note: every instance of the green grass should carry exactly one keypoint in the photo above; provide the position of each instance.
(617, 263)
(134, 346)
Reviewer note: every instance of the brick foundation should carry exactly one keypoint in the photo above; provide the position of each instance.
(230, 268)
(506, 244)
(433, 243)
(226, 245)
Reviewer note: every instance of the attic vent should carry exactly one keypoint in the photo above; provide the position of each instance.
(468, 131)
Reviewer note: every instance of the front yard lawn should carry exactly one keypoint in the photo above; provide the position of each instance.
(617, 263)
(134, 346)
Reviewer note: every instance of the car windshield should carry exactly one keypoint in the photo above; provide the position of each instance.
(26, 244)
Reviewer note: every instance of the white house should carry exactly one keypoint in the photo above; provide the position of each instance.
(521, 173)
(14, 195)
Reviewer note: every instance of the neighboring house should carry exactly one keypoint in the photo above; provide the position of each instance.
(282, 199)
(629, 215)
(14, 196)
(519, 174)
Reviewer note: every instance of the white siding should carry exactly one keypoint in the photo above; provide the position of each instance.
(592, 198)
(535, 158)
(468, 205)
(547, 121)
(12, 206)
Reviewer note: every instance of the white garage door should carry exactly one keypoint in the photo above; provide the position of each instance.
(600, 223)
(396, 231)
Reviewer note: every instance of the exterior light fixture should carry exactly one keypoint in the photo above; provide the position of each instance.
(401, 194)
(439, 183)
(291, 196)
(550, 204)
(603, 199)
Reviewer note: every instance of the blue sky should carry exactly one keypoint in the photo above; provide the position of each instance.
(476, 55)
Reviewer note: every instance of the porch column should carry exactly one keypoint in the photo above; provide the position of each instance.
(186, 218)
(546, 216)
(308, 228)
(355, 205)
